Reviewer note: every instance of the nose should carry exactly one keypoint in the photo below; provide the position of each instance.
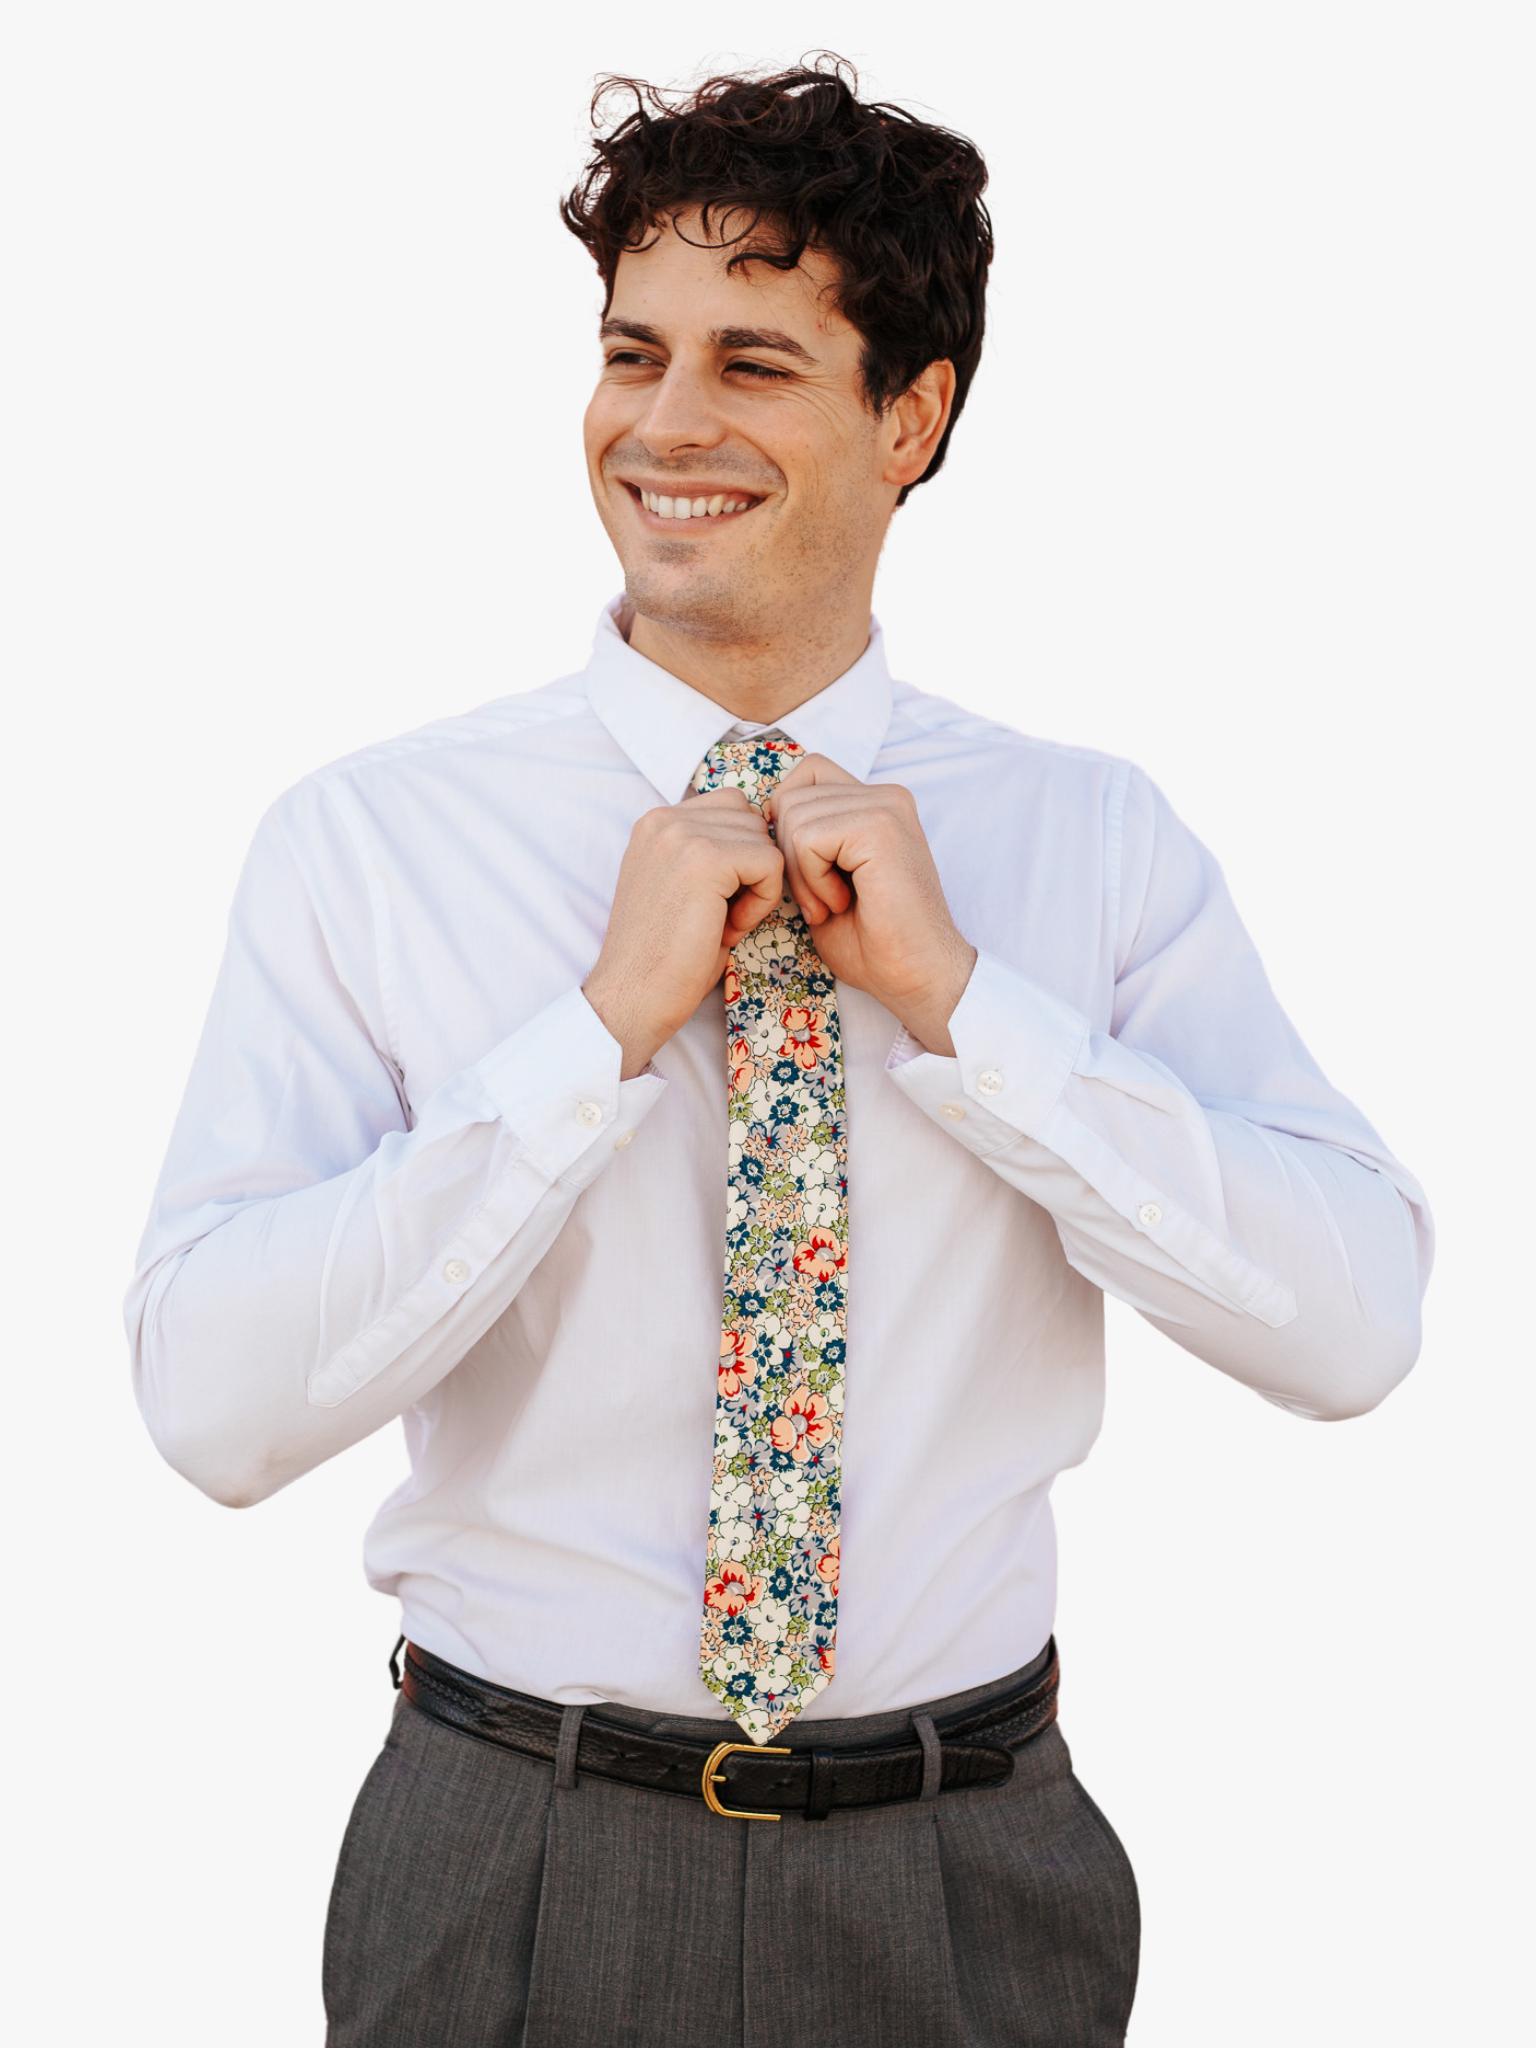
(680, 415)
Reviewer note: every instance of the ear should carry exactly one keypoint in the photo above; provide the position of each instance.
(918, 419)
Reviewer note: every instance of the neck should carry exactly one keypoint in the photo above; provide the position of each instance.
(757, 680)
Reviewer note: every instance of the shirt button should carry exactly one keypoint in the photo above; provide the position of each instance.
(624, 1138)
(990, 1081)
(1150, 1214)
(589, 1113)
(456, 1271)
(953, 1111)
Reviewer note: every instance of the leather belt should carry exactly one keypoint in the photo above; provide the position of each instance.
(975, 1747)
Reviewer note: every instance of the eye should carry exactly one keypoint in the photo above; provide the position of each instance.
(763, 371)
(629, 359)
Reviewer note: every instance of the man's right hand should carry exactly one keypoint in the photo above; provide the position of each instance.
(696, 877)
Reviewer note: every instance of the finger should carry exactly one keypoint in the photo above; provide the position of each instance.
(760, 891)
(809, 770)
(811, 867)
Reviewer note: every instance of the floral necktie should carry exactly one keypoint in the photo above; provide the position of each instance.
(770, 1594)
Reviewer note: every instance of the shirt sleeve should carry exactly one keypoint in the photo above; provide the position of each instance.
(319, 1254)
(1195, 1161)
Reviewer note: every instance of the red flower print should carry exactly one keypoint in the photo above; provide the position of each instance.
(732, 985)
(822, 1255)
(806, 1037)
(802, 1424)
(736, 1369)
(740, 1065)
(827, 1564)
(735, 1589)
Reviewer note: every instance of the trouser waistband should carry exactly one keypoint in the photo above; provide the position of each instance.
(964, 1748)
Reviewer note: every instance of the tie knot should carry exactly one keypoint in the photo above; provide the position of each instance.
(752, 766)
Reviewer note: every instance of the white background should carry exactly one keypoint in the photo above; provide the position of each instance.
(295, 353)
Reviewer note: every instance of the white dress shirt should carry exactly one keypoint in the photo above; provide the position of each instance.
(407, 1180)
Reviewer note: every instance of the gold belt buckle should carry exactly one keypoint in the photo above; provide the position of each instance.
(718, 1755)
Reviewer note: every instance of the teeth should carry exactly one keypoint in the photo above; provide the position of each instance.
(690, 508)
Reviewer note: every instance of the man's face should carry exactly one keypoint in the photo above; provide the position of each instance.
(732, 454)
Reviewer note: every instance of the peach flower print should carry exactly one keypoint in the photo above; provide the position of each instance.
(735, 1589)
(827, 1564)
(806, 1037)
(822, 1255)
(740, 1064)
(736, 1369)
(803, 1423)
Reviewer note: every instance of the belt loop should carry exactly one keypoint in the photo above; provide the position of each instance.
(819, 1801)
(566, 1748)
(394, 1664)
(933, 1756)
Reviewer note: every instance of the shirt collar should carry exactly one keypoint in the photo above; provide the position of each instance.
(666, 728)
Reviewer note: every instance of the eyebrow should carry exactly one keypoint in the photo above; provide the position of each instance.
(721, 337)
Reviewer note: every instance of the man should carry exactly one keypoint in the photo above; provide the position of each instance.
(530, 1100)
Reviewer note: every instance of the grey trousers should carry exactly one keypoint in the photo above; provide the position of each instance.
(478, 1905)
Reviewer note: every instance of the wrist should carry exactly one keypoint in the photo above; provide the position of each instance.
(637, 1039)
(926, 1013)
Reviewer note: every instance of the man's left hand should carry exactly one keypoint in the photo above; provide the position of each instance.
(860, 869)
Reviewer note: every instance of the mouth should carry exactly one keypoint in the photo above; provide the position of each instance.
(669, 509)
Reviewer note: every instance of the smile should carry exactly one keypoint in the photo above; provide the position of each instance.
(708, 505)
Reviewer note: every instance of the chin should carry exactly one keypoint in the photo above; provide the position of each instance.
(714, 606)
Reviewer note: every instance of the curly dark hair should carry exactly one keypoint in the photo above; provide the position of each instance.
(894, 201)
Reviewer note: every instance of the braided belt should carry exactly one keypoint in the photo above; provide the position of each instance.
(962, 1752)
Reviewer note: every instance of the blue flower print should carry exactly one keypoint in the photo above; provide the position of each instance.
(804, 1602)
(834, 1351)
(738, 1686)
(781, 1584)
(737, 1629)
(774, 1271)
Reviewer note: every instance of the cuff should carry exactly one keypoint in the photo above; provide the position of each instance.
(1015, 1047)
(555, 1084)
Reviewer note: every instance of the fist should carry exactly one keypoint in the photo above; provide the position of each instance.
(696, 877)
(860, 869)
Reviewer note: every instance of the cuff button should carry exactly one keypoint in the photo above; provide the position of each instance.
(590, 1114)
(456, 1271)
(953, 1111)
(1150, 1214)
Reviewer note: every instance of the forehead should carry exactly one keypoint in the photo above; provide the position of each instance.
(682, 281)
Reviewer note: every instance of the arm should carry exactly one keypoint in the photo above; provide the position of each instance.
(1195, 1162)
(318, 1256)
